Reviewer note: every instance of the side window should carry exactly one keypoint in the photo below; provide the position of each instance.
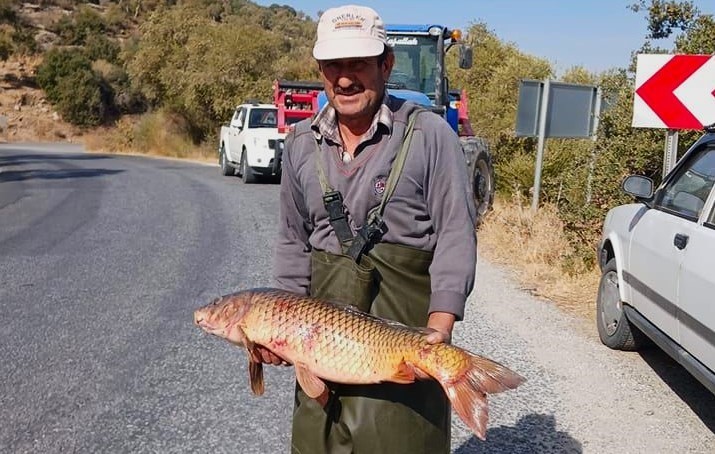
(241, 116)
(235, 114)
(686, 193)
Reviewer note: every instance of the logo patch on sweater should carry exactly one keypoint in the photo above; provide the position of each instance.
(378, 185)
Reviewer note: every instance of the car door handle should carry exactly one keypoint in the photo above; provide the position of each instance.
(680, 240)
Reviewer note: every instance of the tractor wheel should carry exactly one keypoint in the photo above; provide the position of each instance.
(481, 173)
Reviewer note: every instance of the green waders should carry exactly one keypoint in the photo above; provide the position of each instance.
(390, 281)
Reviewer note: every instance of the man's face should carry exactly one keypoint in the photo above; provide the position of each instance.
(355, 86)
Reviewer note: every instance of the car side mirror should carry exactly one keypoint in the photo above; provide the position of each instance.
(639, 186)
(465, 57)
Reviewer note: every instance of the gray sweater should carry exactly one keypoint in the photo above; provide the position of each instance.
(431, 208)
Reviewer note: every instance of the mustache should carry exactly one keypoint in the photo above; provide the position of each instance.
(350, 90)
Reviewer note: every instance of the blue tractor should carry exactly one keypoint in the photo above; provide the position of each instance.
(419, 75)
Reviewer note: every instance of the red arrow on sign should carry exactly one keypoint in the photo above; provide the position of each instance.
(657, 91)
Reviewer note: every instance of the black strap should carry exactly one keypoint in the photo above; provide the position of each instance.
(333, 203)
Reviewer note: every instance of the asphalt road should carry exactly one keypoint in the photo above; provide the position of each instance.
(103, 259)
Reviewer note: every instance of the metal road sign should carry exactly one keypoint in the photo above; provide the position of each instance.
(674, 91)
(570, 109)
(555, 109)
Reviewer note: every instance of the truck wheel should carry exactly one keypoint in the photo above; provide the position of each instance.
(481, 171)
(246, 173)
(614, 329)
(226, 169)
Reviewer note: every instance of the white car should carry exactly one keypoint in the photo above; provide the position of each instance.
(250, 144)
(657, 259)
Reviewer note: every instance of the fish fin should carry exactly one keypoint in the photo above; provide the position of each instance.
(310, 383)
(404, 374)
(253, 354)
(255, 371)
(468, 393)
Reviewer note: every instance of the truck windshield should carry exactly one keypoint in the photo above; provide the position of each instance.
(415, 63)
(263, 118)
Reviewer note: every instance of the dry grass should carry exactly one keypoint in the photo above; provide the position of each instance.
(535, 248)
(155, 134)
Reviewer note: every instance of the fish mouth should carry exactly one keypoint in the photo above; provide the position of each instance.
(202, 322)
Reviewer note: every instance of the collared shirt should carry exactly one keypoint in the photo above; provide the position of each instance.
(325, 125)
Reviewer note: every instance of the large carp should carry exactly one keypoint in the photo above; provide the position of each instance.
(327, 341)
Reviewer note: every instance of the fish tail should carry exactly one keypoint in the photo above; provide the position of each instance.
(468, 391)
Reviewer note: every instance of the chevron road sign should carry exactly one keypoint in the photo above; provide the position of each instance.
(674, 91)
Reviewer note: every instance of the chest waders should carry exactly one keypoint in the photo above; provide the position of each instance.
(386, 280)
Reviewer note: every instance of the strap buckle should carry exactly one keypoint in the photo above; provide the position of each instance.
(368, 235)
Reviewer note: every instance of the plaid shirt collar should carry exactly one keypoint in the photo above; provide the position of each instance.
(325, 124)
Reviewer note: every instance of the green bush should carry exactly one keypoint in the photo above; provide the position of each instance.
(5, 46)
(99, 47)
(76, 28)
(83, 98)
(57, 65)
(127, 99)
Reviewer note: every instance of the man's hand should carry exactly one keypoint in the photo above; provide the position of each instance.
(269, 357)
(440, 326)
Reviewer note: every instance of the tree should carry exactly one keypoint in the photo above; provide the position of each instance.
(665, 16)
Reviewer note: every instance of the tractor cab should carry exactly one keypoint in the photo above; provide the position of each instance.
(419, 71)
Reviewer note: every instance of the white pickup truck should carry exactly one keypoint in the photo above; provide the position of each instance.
(250, 145)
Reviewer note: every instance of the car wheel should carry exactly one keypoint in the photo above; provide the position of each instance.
(247, 174)
(614, 329)
(226, 169)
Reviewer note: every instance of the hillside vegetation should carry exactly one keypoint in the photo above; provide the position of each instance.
(161, 76)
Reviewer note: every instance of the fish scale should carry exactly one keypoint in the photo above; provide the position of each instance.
(338, 343)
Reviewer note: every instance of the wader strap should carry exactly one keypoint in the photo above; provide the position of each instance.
(374, 226)
(333, 202)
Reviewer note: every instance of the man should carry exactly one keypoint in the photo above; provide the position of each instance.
(375, 211)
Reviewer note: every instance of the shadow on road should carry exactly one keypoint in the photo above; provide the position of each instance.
(690, 390)
(22, 175)
(25, 158)
(533, 434)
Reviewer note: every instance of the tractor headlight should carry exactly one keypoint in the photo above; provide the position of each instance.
(435, 31)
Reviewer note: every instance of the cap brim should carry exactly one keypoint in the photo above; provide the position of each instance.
(347, 48)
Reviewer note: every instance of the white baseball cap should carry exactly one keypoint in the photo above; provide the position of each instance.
(349, 31)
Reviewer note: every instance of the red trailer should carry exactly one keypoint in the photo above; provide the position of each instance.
(295, 101)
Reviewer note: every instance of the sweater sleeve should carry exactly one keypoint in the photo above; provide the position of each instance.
(291, 257)
(451, 208)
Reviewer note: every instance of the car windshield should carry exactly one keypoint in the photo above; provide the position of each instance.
(415, 63)
(263, 118)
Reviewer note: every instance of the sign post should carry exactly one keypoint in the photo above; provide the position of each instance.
(543, 114)
(670, 155)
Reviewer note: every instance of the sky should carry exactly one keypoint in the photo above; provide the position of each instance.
(595, 34)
